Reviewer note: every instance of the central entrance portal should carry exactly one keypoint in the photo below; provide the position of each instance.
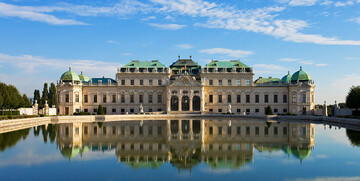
(185, 103)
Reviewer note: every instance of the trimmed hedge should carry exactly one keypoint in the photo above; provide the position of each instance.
(8, 112)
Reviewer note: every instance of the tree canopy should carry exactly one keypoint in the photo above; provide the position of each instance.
(353, 98)
(52, 95)
(268, 111)
(45, 95)
(10, 97)
(100, 110)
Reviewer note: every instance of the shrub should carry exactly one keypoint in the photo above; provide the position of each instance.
(269, 111)
(100, 110)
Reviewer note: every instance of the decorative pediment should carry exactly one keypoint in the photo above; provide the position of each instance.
(185, 81)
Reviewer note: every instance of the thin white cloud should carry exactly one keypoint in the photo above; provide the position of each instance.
(126, 54)
(306, 62)
(261, 20)
(329, 179)
(167, 26)
(356, 20)
(321, 64)
(228, 52)
(111, 41)
(8, 10)
(302, 2)
(148, 18)
(289, 59)
(184, 46)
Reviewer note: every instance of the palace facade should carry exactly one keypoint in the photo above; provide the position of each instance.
(186, 87)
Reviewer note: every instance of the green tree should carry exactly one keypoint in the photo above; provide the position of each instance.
(26, 101)
(52, 95)
(353, 136)
(36, 96)
(15, 97)
(45, 95)
(1, 100)
(4, 91)
(100, 110)
(268, 111)
(353, 98)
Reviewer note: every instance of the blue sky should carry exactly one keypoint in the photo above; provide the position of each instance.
(41, 39)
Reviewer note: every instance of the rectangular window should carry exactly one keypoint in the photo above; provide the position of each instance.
(247, 98)
(150, 82)
(247, 82)
(132, 82)
(77, 98)
(304, 98)
(247, 130)
(210, 130)
(229, 82)
(211, 110)
(220, 82)
(141, 98)
(266, 131)
(219, 110)
(229, 98)
(122, 82)
(285, 131)
(211, 82)
(132, 98)
(238, 110)
(104, 130)
(85, 130)
(86, 110)
(95, 130)
(159, 130)
(220, 130)
(95, 98)
(266, 98)
(275, 110)
(247, 111)
(256, 110)
(257, 130)
(256, 98)
(104, 98)
(95, 110)
(122, 98)
(275, 131)
(284, 110)
(159, 82)
(284, 98)
(67, 98)
(238, 98)
(150, 110)
(86, 98)
(150, 131)
(150, 98)
(229, 130)
(141, 82)
(159, 98)
(113, 110)
(114, 98)
(141, 130)
(238, 130)
(275, 98)
(211, 98)
(131, 130)
(238, 82)
(220, 99)
(122, 110)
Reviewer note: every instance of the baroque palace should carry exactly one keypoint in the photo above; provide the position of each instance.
(186, 87)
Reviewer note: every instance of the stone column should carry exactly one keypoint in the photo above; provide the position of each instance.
(179, 103)
(191, 132)
(168, 102)
(191, 103)
(202, 101)
(180, 130)
(168, 130)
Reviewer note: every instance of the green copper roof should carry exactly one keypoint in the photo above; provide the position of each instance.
(144, 64)
(286, 78)
(83, 77)
(182, 62)
(226, 64)
(301, 153)
(70, 76)
(300, 75)
(262, 80)
(103, 80)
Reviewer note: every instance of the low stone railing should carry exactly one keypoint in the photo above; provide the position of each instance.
(18, 124)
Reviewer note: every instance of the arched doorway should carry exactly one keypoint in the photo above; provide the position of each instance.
(185, 103)
(196, 103)
(174, 103)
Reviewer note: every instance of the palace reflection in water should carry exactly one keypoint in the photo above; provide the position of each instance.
(186, 143)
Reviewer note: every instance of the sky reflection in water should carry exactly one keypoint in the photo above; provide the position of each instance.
(130, 150)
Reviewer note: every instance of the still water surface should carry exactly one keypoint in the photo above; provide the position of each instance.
(181, 149)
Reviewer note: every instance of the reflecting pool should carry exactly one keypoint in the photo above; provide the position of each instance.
(195, 149)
